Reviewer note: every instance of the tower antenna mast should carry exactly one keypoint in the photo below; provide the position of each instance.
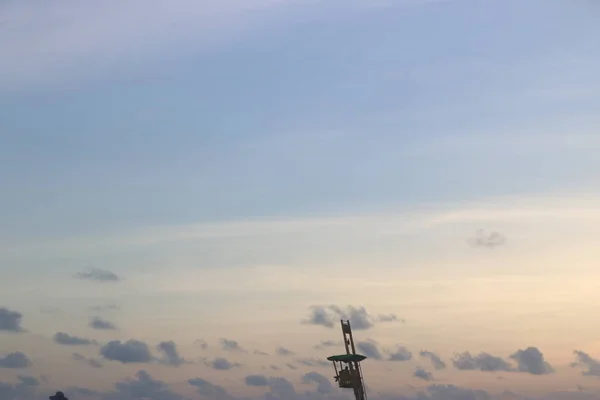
(348, 373)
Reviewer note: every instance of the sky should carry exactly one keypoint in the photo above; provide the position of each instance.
(194, 193)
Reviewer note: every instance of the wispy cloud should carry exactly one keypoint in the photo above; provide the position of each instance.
(98, 275)
(360, 319)
(437, 362)
(282, 351)
(323, 383)
(482, 362)
(69, 340)
(89, 361)
(101, 324)
(222, 364)
(328, 343)
(400, 354)
(370, 349)
(489, 240)
(591, 365)
(314, 362)
(231, 345)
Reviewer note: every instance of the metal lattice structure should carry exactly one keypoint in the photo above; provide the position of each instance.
(348, 373)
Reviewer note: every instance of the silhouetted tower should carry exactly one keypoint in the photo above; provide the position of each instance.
(349, 374)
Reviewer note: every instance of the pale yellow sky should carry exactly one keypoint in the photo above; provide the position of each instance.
(538, 289)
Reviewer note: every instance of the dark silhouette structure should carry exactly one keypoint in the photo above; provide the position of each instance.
(58, 396)
(349, 374)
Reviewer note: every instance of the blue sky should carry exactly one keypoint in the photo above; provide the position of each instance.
(221, 155)
(309, 109)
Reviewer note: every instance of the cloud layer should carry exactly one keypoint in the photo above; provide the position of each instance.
(360, 319)
(102, 324)
(131, 351)
(15, 360)
(98, 275)
(529, 360)
(68, 340)
(10, 320)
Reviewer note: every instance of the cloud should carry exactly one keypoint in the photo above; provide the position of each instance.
(281, 389)
(145, 387)
(282, 351)
(531, 360)
(101, 324)
(29, 380)
(449, 392)
(132, 351)
(388, 318)
(591, 365)
(231, 345)
(98, 275)
(439, 392)
(202, 343)
(260, 353)
(328, 343)
(369, 349)
(106, 307)
(89, 361)
(482, 362)
(291, 366)
(420, 373)
(256, 380)
(79, 391)
(360, 319)
(435, 359)
(171, 355)
(15, 360)
(222, 364)
(142, 387)
(10, 320)
(314, 362)
(401, 354)
(68, 340)
(321, 316)
(23, 389)
(323, 384)
(488, 240)
(209, 390)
